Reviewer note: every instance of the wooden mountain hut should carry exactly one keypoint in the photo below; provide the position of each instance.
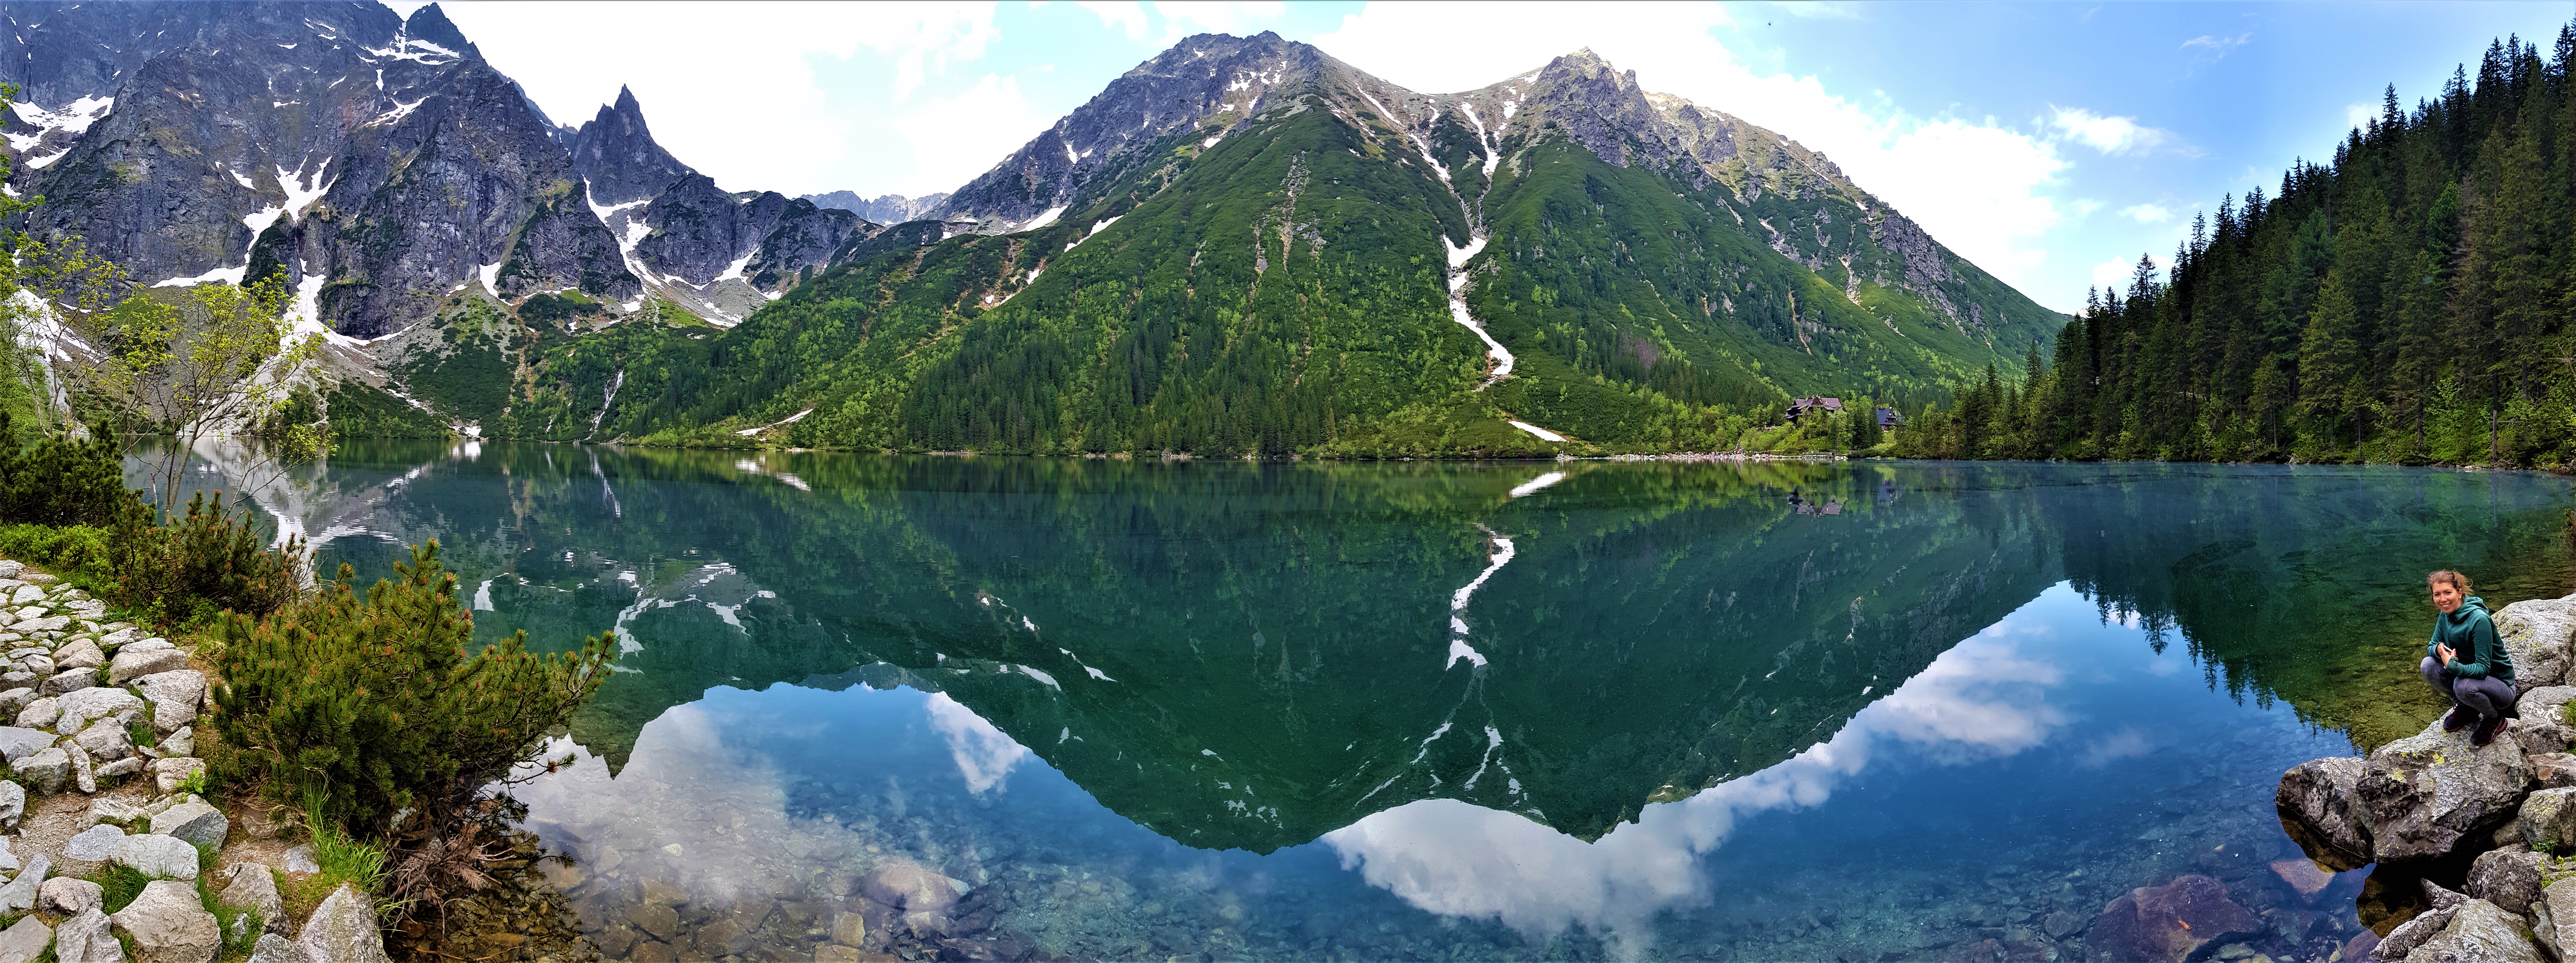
(1802, 406)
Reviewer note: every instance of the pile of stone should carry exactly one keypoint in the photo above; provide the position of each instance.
(2435, 799)
(81, 694)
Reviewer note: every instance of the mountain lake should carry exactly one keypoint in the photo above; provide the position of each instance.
(874, 707)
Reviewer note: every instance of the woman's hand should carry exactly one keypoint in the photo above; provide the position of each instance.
(2446, 653)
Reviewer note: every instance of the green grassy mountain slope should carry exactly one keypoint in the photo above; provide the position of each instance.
(1277, 277)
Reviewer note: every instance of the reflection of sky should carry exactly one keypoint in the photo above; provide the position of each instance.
(2048, 711)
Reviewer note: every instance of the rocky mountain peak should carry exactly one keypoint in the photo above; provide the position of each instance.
(615, 152)
(430, 24)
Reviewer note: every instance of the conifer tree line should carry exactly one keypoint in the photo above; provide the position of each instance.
(2407, 303)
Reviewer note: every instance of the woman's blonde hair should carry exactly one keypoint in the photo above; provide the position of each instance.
(2446, 575)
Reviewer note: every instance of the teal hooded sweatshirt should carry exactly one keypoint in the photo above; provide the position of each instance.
(2471, 634)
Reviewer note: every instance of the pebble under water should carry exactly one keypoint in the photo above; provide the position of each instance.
(889, 707)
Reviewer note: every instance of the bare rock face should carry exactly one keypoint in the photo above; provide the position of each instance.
(2480, 932)
(2318, 804)
(2538, 632)
(343, 930)
(2556, 908)
(2169, 923)
(2429, 795)
(168, 925)
(2509, 878)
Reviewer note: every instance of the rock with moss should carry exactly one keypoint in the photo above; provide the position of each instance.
(2434, 794)
(2481, 931)
(167, 924)
(2538, 634)
(343, 930)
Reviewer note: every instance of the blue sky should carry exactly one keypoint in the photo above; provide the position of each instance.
(2049, 143)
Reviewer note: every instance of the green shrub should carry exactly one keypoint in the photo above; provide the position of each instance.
(209, 562)
(79, 552)
(62, 482)
(121, 884)
(366, 705)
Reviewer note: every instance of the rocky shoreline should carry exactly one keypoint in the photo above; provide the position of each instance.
(2486, 834)
(89, 791)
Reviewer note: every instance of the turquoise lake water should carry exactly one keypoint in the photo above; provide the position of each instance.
(1200, 710)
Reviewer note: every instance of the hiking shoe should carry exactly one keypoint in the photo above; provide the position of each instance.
(2486, 731)
(2459, 719)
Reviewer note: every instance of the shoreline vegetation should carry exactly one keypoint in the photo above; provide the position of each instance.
(214, 754)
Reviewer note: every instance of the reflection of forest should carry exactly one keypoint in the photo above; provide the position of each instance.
(1254, 654)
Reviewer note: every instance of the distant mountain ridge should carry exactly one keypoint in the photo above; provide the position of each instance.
(883, 209)
(1561, 251)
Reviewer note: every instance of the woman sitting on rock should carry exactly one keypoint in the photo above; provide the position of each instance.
(2466, 661)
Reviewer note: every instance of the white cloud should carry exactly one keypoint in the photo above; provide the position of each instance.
(2115, 275)
(2147, 213)
(1815, 9)
(984, 755)
(2085, 206)
(729, 88)
(2218, 45)
(1979, 187)
(1983, 699)
(1127, 15)
(953, 153)
(2110, 135)
(2358, 114)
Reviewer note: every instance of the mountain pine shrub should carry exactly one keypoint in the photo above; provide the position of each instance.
(372, 704)
(211, 561)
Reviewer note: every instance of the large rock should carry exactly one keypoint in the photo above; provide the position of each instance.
(134, 662)
(2480, 932)
(2537, 633)
(78, 708)
(39, 713)
(168, 925)
(2543, 726)
(106, 739)
(2556, 770)
(343, 930)
(2555, 908)
(174, 697)
(50, 770)
(2410, 934)
(169, 773)
(2318, 805)
(81, 654)
(2169, 923)
(254, 887)
(17, 742)
(193, 822)
(13, 804)
(21, 893)
(2430, 795)
(68, 681)
(908, 886)
(157, 856)
(96, 844)
(26, 941)
(273, 948)
(2547, 820)
(2509, 878)
(68, 896)
(88, 937)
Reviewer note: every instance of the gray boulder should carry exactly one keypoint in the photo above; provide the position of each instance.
(68, 896)
(115, 811)
(16, 699)
(50, 623)
(95, 845)
(2403, 940)
(343, 930)
(254, 887)
(50, 769)
(2317, 802)
(273, 948)
(169, 925)
(2482, 932)
(26, 941)
(84, 775)
(2556, 907)
(2537, 633)
(68, 680)
(174, 697)
(160, 857)
(13, 804)
(193, 822)
(81, 654)
(88, 937)
(106, 739)
(39, 664)
(134, 662)
(2548, 820)
(2429, 795)
(108, 772)
(184, 743)
(20, 895)
(169, 773)
(2509, 878)
(16, 742)
(39, 713)
(78, 708)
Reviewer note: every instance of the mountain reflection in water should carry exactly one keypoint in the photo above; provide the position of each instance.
(1535, 695)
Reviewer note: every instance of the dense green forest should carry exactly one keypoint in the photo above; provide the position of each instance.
(2407, 303)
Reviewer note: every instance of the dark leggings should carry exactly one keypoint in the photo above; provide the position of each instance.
(2489, 697)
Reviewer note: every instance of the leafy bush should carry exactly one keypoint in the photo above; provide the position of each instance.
(76, 551)
(211, 561)
(367, 705)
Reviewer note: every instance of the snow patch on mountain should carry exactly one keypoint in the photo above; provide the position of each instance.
(302, 192)
(74, 119)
